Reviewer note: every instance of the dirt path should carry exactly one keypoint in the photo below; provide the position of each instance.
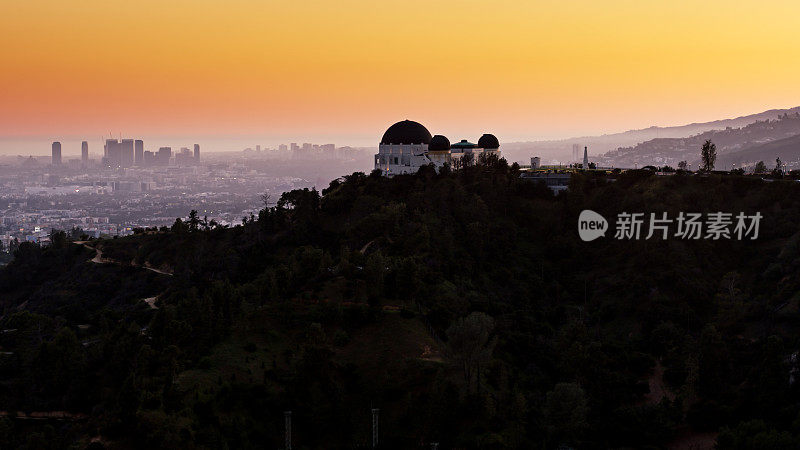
(44, 415)
(151, 301)
(153, 269)
(98, 259)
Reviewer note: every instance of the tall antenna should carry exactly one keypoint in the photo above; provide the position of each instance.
(287, 417)
(375, 412)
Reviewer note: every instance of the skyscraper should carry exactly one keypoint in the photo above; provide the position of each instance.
(126, 156)
(84, 153)
(576, 152)
(149, 159)
(184, 157)
(163, 156)
(56, 153)
(112, 152)
(196, 153)
(138, 147)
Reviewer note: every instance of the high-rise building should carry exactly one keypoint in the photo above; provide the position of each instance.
(184, 157)
(328, 151)
(163, 156)
(120, 153)
(149, 159)
(84, 153)
(138, 149)
(127, 152)
(56, 153)
(576, 153)
(197, 153)
(113, 153)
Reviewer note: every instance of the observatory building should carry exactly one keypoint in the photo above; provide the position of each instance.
(406, 146)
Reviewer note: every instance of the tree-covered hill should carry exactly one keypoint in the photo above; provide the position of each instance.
(463, 305)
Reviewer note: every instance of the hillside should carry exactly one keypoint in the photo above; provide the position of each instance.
(787, 149)
(462, 305)
(561, 150)
(669, 151)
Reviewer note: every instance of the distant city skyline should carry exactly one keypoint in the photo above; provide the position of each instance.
(72, 144)
(524, 70)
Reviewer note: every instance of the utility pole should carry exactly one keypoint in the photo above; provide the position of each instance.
(375, 412)
(287, 416)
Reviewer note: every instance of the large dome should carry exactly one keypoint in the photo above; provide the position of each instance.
(439, 143)
(488, 141)
(406, 132)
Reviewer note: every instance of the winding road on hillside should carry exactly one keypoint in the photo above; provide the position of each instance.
(98, 259)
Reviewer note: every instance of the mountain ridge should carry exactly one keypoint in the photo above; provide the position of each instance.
(560, 149)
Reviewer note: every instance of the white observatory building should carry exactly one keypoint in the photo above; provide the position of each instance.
(406, 146)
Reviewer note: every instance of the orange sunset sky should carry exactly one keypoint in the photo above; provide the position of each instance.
(344, 70)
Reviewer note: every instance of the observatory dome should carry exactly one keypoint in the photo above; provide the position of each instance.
(406, 132)
(488, 141)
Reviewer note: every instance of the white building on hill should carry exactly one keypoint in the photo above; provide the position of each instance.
(406, 146)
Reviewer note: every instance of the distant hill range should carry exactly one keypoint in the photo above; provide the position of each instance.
(664, 145)
(745, 142)
(787, 149)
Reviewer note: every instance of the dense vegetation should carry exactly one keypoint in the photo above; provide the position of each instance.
(463, 305)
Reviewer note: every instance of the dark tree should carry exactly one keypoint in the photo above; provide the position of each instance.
(470, 345)
(58, 239)
(467, 160)
(194, 220)
(777, 172)
(708, 155)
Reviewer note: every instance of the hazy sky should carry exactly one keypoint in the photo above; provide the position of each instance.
(344, 70)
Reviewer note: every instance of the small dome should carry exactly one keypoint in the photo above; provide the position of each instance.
(463, 144)
(406, 132)
(439, 143)
(488, 141)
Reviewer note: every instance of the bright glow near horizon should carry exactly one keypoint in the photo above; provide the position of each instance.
(519, 69)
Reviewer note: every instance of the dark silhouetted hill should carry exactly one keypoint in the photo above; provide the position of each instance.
(462, 305)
